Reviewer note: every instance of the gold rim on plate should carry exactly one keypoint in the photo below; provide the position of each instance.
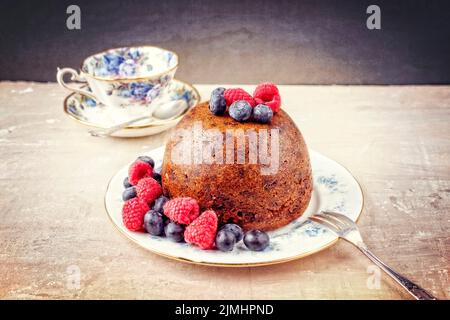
(236, 265)
(131, 127)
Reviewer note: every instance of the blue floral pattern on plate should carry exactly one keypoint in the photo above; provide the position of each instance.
(334, 187)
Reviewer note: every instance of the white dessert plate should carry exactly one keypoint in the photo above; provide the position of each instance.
(88, 113)
(334, 189)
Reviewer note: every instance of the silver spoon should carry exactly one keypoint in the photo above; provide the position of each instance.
(178, 107)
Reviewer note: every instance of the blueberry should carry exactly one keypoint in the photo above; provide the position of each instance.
(218, 91)
(262, 113)
(154, 223)
(256, 240)
(157, 177)
(225, 240)
(217, 104)
(126, 183)
(174, 231)
(129, 193)
(240, 110)
(237, 231)
(159, 204)
(147, 159)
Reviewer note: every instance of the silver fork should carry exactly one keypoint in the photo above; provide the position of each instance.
(346, 229)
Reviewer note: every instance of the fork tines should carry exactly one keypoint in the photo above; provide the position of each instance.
(334, 221)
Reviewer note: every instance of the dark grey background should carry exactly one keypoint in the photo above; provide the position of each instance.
(238, 41)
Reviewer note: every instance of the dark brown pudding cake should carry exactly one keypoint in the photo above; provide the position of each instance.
(240, 192)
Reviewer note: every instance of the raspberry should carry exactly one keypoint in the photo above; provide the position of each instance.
(232, 95)
(148, 189)
(138, 170)
(274, 104)
(267, 93)
(133, 212)
(182, 210)
(202, 231)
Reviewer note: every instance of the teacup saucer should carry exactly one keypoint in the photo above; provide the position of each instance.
(89, 113)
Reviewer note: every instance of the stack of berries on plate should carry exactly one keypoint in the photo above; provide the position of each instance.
(179, 219)
(242, 106)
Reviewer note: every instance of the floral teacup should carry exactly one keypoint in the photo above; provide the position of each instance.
(124, 76)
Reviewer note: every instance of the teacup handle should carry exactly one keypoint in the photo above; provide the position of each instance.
(75, 76)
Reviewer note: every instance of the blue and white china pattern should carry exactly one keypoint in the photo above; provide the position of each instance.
(334, 188)
(121, 62)
(130, 62)
(126, 76)
(139, 92)
(89, 112)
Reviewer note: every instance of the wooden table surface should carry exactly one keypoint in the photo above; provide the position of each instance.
(394, 139)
